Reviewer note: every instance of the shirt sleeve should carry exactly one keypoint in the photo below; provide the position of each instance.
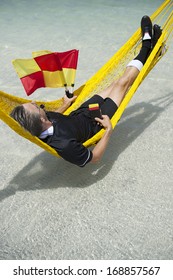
(75, 152)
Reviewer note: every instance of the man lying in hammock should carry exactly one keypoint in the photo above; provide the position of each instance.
(67, 133)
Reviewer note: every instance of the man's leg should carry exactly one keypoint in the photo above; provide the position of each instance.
(117, 90)
(121, 86)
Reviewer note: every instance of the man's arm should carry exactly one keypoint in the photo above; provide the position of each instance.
(100, 147)
(66, 103)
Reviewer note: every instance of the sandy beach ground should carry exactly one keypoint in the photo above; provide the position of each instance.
(121, 208)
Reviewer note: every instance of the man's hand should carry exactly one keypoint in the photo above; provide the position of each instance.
(67, 101)
(100, 147)
(105, 122)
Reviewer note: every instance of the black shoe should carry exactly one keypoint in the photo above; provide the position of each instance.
(146, 26)
(157, 32)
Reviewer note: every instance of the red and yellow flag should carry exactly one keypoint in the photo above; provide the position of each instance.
(47, 69)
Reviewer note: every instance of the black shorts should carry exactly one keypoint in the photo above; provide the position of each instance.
(107, 105)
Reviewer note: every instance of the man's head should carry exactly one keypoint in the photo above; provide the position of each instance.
(31, 117)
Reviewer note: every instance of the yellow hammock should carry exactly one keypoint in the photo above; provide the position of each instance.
(109, 72)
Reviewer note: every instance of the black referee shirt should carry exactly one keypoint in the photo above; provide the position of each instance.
(69, 134)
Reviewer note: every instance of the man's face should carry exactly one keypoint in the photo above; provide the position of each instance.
(34, 108)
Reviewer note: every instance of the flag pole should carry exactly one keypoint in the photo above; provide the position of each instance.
(67, 92)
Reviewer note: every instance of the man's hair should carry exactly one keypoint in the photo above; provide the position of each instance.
(29, 121)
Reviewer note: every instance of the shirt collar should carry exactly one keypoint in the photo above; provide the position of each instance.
(47, 132)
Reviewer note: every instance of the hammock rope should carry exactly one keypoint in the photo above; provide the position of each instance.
(112, 70)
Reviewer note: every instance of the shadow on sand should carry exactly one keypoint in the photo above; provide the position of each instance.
(48, 172)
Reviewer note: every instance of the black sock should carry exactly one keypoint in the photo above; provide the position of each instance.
(145, 51)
